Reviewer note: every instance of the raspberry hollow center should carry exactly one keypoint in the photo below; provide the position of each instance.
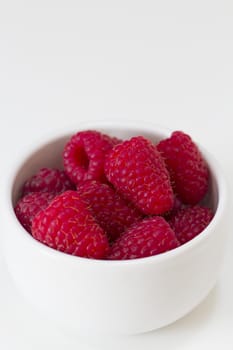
(81, 158)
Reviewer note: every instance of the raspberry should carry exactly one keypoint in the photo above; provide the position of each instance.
(187, 168)
(138, 172)
(31, 204)
(187, 223)
(68, 226)
(178, 205)
(47, 180)
(148, 237)
(109, 209)
(84, 155)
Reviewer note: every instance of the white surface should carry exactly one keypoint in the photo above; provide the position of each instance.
(165, 61)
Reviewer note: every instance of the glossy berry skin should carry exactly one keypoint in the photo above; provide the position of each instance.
(27, 207)
(48, 180)
(84, 155)
(148, 237)
(187, 167)
(189, 222)
(68, 226)
(111, 211)
(137, 170)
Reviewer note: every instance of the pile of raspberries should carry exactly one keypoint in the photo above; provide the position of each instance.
(118, 199)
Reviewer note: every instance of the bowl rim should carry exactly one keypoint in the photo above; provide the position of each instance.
(120, 125)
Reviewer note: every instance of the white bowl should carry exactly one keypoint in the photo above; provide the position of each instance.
(97, 296)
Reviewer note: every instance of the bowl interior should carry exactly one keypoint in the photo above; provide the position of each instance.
(50, 155)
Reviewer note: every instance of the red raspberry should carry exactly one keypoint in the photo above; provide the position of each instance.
(109, 209)
(148, 237)
(31, 204)
(188, 169)
(47, 180)
(68, 226)
(189, 222)
(84, 155)
(138, 172)
(178, 205)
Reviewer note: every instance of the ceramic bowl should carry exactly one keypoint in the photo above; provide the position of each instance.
(114, 297)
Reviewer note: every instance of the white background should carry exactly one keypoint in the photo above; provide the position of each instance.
(168, 62)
